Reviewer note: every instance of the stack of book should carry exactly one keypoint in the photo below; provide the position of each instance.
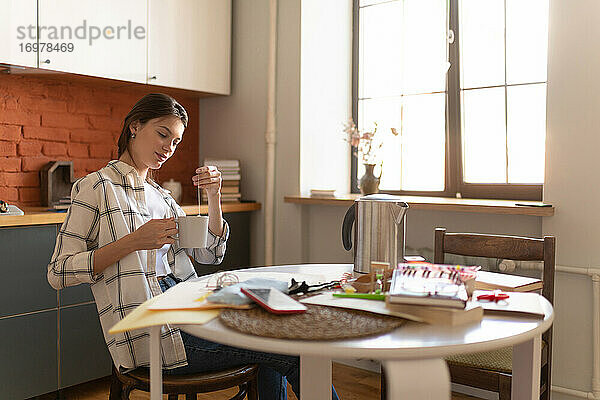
(63, 203)
(231, 175)
(434, 293)
(323, 193)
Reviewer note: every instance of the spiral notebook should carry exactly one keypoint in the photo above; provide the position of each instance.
(428, 284)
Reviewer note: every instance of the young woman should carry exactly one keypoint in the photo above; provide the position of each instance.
(118, 237)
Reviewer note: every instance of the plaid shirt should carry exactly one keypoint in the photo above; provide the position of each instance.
(105, 206)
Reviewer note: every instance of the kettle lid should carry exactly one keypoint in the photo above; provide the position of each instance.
(380, 197)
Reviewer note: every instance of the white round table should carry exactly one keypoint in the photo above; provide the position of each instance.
(412, 355)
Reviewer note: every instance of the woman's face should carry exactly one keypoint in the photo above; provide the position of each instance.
(155, 141)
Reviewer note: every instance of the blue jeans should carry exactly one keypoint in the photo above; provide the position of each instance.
(274, 371)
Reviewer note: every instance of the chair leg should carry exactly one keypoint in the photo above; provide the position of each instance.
(116, 388)
(505, 384)
(252, 388)
(383, 385)
(125, 392)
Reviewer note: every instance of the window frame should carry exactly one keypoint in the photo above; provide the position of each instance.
(454, 181)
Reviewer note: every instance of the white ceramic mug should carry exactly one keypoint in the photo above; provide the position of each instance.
(193, 231)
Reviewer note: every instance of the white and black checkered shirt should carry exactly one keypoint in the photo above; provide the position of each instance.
(107, 205)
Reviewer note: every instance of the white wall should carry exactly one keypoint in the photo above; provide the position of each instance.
(234, 127)
(325, 94)
(572, 148)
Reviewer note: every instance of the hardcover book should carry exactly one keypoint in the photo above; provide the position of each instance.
(440, 315)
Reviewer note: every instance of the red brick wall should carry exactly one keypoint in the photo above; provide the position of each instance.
(44, 120)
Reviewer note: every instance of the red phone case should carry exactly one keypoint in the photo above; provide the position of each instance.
(264, 305)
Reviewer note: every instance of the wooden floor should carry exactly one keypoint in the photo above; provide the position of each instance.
(350, 383)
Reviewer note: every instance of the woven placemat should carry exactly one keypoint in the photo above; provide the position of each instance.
(317, 323)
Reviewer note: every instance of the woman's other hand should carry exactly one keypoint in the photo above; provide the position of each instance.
(154, 234)
(209, 179)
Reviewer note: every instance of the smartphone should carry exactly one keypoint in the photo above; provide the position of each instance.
(274, 301)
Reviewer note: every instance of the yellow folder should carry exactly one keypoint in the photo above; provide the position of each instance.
(142, 317)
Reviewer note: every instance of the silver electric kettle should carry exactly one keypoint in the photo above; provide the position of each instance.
(379, 229)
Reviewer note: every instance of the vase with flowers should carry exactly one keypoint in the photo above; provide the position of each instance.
(366, 146)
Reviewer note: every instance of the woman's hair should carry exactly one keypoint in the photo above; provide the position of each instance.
(154, 105)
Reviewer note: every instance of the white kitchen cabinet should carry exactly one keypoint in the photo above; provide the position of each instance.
(18, 20)
(108, 38)
(189, 44)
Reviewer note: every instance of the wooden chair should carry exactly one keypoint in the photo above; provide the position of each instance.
(492, 370)
(244, 377)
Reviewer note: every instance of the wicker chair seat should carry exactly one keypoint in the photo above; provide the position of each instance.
(499, 360)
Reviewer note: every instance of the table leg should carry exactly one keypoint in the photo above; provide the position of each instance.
(527, 364)
(417, 379)
(315, 377)
(155, 364)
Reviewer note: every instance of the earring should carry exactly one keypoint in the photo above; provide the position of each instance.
(133, 135)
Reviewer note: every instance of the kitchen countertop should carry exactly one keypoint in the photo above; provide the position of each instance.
(41, 215)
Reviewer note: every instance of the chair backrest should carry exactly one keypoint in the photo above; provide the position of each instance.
(500, 246)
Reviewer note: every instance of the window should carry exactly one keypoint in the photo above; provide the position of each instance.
(463, 82)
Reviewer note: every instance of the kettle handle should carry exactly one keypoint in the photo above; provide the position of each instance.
(347, 227)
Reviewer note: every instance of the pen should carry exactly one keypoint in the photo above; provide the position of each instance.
(203, 297)
(533, 205)
(367, 296)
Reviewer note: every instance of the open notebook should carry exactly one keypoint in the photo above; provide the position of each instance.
(512, 283)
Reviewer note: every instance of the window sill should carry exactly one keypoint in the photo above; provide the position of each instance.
(442, 204)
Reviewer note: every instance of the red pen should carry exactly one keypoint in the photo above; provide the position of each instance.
(495, 297)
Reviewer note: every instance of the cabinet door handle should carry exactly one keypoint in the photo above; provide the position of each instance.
(152, 78)
(46, 62)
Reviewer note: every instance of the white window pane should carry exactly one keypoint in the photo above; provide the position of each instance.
(387, 114)
(380, 50)
(526, 118)
(425, 44)
(481, 43)
(484, 136)
(526, 40)
(423, 143)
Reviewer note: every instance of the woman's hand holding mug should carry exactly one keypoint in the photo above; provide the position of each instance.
(155, 233)
(209, 179)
